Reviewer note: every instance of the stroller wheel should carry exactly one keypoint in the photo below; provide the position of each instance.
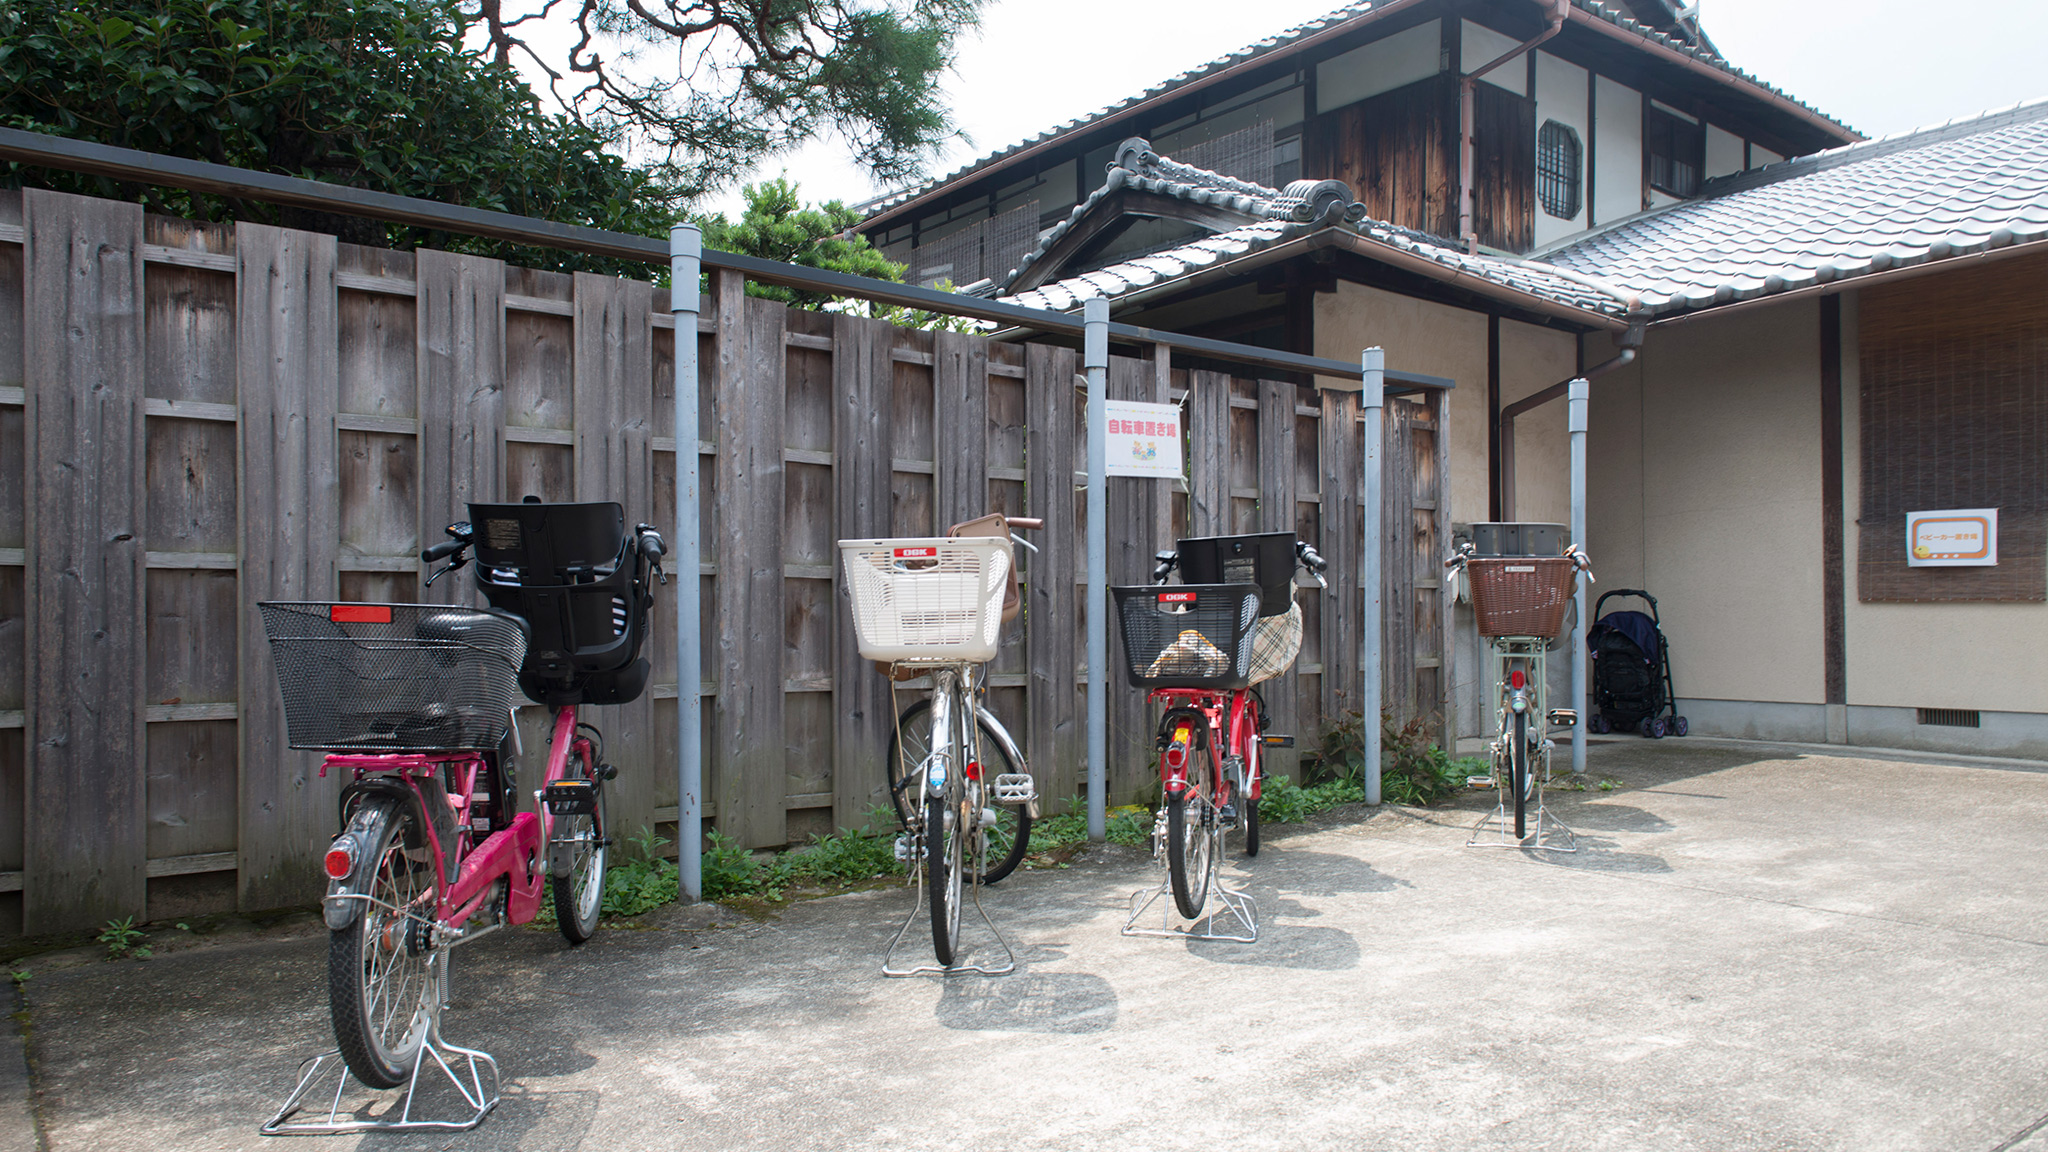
(1679, 727)
(1598, 725)
(1658, 728)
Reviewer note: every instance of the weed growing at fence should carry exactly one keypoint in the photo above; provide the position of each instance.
(1130, 825)
(1412, 770)
(123, 939)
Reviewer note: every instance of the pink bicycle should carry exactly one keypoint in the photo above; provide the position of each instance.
(415, 701)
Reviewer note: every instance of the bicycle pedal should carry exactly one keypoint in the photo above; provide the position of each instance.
(1016, 788)
(570, 798)
(1272, 741)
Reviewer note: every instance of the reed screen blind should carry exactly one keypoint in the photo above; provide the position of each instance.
(1955, 415)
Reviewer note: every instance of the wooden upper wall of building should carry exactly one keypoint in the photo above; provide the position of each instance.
(1614, 124)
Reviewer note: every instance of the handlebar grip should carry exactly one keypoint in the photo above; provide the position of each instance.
(651, 544)
(444, 549)
(1024, 521)
(1312, 559)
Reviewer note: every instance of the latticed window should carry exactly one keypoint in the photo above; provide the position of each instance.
(1558, 156)
(1676, 150)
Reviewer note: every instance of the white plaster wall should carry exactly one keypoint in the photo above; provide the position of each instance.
(1421, 337)
(1705, 490)
(1532, 359)
(1724, 152)
(1619, 183)
(1982, 656)
(1380, 66)
(1561, 96)
(1482, 46)
(1760, 156)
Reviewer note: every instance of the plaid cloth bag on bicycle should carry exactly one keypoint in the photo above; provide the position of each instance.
(1276, 641)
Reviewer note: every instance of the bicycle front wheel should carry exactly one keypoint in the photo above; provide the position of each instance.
(579, 895)
(1188, 845)
(382, 989)
(1008, 839)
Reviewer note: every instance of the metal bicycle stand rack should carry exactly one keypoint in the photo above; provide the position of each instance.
(1496, 829)
(914, 843)
(434, 1051)
(1241, 908)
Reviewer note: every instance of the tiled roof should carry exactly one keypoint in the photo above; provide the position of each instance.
(1272, 216)
(1362, 11)
(1953, 190)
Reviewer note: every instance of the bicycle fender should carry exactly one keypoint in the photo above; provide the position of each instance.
(340, 908)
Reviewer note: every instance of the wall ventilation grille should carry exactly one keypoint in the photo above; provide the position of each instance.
(1949, 717)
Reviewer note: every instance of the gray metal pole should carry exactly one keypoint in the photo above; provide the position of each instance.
(1575, 421)
(686, 252)
(1095, 359)
(1372, 693)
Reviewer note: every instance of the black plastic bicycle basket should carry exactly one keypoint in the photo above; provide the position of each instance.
(394, 677)
(1188, 635)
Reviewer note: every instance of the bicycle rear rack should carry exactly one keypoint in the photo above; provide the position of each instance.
(477, 1099)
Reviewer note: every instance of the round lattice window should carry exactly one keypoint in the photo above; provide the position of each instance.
(1558, 159)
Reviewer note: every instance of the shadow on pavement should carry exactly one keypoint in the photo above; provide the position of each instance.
(1071, 1003)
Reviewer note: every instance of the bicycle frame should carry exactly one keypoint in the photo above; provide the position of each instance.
(1226, 725)
(516, 852)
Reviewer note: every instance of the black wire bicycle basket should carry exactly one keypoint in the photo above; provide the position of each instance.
(1188, 635)
(394, 677)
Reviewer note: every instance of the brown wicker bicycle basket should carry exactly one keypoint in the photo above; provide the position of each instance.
(1520, 595)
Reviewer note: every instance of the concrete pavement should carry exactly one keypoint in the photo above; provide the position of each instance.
(1757, 947)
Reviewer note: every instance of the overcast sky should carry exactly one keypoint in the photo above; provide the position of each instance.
(1880, 66)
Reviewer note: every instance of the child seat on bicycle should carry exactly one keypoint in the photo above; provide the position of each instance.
(1268, 560)
(579, 580)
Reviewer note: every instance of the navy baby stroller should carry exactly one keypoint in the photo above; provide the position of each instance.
(1632, 672)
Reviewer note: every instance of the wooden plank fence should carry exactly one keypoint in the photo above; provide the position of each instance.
(194, 418)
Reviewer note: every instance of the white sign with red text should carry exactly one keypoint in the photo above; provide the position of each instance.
(1952, 538)
(1144, 439)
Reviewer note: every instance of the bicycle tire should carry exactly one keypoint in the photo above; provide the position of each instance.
(1009, 840)
(1255, 763)
(1188, 864)
(381, 987)
(1518, 755)
(579, 896)
(943, 872)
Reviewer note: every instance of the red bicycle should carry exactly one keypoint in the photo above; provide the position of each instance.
(1199, 647)
(414, 701)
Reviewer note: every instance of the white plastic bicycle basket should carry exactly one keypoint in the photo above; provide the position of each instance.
(927, 598)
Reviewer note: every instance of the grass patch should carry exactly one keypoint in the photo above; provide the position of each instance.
(1413, 771)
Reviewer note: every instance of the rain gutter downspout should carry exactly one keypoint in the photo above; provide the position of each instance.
(1629, 341)
(1467, 149)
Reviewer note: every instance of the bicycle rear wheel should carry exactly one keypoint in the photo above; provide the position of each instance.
(1188, 843)
(1008, 839)
(1254, 764)
(1518, 753)
(579, 895)
(382, 990)
(945, 870)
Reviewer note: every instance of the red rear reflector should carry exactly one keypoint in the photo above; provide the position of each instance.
(339, 862)
(360, 613)
(974, 769)
(1176, 755)
(1176, 597)
(1516, 679)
